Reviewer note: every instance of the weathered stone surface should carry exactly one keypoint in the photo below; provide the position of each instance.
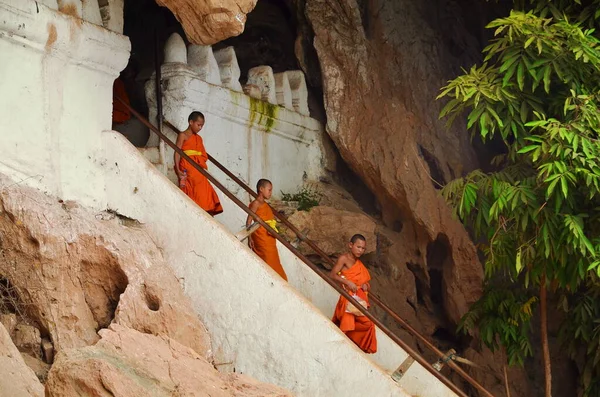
(50, 3)
(202, 61)
(284, 93)
(111, 12)
(28, 340)
(252, 90)
(39, 368)
(262, 76)
(299, 91)
(91, 12)
(16, 378)
(332, 228)
(229, 68)
(73, 8)
(126, 362)
(381, 114)
(208, 21)
(47, 351)
(76, 272)
(9, 321)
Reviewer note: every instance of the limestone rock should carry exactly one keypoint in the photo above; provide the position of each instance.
(331, 229)
(126, 362)
(9, 321)
(77, 271)
(16, 378)
(379, 89)
(207, 21)
(39, 368)
(47, 351)
(28, 340)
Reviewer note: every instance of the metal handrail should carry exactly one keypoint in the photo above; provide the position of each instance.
(303, 258)
(375, 299)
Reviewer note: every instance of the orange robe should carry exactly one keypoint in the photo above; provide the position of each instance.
(359, 329)
(196, 185)
(120, 113)
(264, 245)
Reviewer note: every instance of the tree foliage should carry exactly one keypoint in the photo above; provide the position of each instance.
(538, 92)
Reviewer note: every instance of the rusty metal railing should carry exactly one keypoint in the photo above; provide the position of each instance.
(411, 352)
(374, 298)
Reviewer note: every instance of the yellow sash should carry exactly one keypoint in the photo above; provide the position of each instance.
(273, 224)
(191, 152)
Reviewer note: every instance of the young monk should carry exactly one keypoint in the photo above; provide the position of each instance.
(191, 181)
(261, 241)
(354, 277)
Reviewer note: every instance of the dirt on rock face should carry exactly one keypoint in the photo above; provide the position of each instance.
(73, 272)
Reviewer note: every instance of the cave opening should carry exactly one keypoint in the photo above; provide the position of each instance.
(437, 259)
(148, 27)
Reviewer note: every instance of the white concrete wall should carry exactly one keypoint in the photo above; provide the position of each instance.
(417, 381)
(257, 321)
(285, 148)
(56, 75)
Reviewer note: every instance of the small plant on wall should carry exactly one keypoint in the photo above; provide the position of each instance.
(306, 198)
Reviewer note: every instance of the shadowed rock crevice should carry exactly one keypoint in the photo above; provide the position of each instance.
(103, 283)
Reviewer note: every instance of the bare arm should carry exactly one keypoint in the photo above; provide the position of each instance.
(339, 265)
(253, 207)
(177, 157)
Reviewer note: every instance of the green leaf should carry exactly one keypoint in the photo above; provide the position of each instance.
(527, 149)
(523, 112)
(547, 71)
(518, 263)
(521, 75)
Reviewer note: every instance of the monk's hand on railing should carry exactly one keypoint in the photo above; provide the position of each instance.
(366, 287)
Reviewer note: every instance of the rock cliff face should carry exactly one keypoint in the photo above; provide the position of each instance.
(210, 21)
(74, 273)
(382, 64)
(126, 362)
(91, 295)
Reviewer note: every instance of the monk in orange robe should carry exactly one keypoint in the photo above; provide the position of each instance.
(120, 113)
(191, 181)
(354, 277)
(261, 241)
